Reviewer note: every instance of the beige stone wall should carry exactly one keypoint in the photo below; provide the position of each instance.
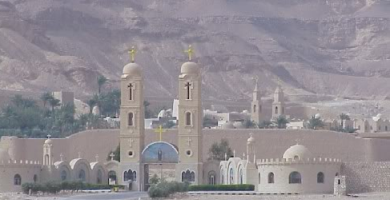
(269, 144)
(367, 177)
(8, 171)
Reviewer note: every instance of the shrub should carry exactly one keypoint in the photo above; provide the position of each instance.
(55, 187)
(164, 189)
(241, 187)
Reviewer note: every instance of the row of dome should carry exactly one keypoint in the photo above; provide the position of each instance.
(187, 68)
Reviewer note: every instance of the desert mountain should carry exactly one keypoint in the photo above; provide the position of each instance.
(330, 47)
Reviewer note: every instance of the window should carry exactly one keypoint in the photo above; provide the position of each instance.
(47, 160)
(241, 177)
(259, 178)
(212, 176)
(271, 178)
(35, 178)
(320, 177)
(254, 108)
(379, 128)
(99, 177)
(295, 177)
(131, 119)
(231, 176)
(296, 157)
(130, 175)
(385, 128)
(112, 177)
(82, 176)
(64, 175)
(17, 180)
(276, 110)
(188, 176)
(188, 119)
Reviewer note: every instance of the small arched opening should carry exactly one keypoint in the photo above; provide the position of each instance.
(294, 178)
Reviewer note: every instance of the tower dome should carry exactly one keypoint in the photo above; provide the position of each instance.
(48, 141)
(251, 139)
(132, 69)
(297, 152)
(190, 68)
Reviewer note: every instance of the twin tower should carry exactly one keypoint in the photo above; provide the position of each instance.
(132, 129)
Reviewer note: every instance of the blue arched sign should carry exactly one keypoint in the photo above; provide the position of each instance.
(160, 152)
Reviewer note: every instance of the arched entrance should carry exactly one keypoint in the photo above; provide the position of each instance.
(112, 180)
(159, 158)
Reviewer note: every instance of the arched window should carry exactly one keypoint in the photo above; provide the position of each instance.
(131, 119)
(188, 176)
(35, 178)
(276, 110)
(271, 178)
(99, 177)
(296, 157)
(112, 177)
(231, 176)
(254, 108)
(259, 178)
(188, 119)
(47, 160)
(82, 175)
(64, 175)
(385, 128)
(125, 177)
(295, 177)
(241, 177)
(320, 177)
(17, 180)
(212, 176)
(130, 175)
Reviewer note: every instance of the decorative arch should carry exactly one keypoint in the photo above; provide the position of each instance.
(64, 170)
(17, 179)
(294, 178)
(231, 176)
(160, 152)
(320, 177)
(112, 178)
(130, 175)
(81, 169)
(271, 178)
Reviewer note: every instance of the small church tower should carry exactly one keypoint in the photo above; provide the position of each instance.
(190, 166)
(132, 125)
(47, 152)
(278, 104)
(256, 108)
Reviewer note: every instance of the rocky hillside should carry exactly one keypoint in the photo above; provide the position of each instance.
(328, 47)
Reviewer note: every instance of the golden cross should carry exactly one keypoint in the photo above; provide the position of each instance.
(160, 130)
(132, 53)
(189, 51)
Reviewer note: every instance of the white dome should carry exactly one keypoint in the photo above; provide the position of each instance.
(190, 68)
(4, 155)
(132, 69)
(297, 152)
(48, 141)
(317, 116)
(251, 139)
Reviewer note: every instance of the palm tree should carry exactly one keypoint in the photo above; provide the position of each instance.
(54, 103)
(342, 118)
(101, 81)
(46, 97)
(281, 121)
(315, 123)
(91, 103)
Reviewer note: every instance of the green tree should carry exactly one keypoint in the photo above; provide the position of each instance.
(265, 124)
(281, 121)
(117, 154)
(315, 123)
(46, 97)
(249, 123)
(109, 103)
(54, 103)
(91, 103)
(101, 81)
(218, 151)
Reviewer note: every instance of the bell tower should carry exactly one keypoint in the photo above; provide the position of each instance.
(47, 152)
(132, 127)
(190, 166)
(278, 104)
(256, 107)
